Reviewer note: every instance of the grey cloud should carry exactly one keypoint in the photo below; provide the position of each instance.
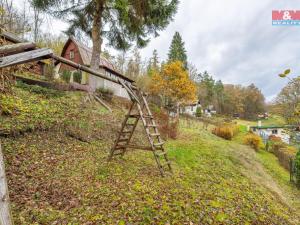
(235, 41)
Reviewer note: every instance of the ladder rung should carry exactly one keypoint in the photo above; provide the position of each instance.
(165, 164)
(134, 116)
(119, 153)
(151, 125)
(118, 147)
(125, 132)
(148, 116)
(123, 140)
(155, 135)
(161, 153)
(158, 144)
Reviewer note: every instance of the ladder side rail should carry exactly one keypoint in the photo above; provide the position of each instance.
(151, 140)
(120, 133)
(152, 119)
(158, 137)
(131, 134)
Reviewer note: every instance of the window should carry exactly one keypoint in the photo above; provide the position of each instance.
(274, 131)
(192, 108)
(71, 54)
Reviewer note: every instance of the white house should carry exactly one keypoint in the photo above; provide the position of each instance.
(190, 109)
(266, 131)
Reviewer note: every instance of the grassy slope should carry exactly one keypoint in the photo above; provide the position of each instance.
(273, 120)
(54, 177)
(280, 175)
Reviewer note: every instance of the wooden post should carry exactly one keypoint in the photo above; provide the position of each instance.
(5, 215)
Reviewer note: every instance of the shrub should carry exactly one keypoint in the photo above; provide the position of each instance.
(77, 77)
(253, 140)
(106, 93)
(168, 127)
(226, 131)
(282, 151)
(66, 76)
(49, 72)
(198, 111)
(9, 105)
(284, 155)
(47, 92)
(274, 138)
(296, 169)
(275, 143)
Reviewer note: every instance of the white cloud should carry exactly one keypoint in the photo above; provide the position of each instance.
(235, 41)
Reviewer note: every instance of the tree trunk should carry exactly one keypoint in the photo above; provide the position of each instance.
(96, 35)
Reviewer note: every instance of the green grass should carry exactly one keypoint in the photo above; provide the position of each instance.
(281, 175)
(272, 120)
(55, 178)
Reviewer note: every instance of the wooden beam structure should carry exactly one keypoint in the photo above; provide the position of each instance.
(25, 57)
(83, 68)
(5, 215)
(16, 48)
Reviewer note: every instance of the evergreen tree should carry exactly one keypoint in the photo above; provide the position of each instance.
(153, 64)
(206, 89)
(177, 50)
(134, 66)
(219, 92)
(119, 21)
(155, 59)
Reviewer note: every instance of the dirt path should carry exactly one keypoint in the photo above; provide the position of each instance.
(252, 168)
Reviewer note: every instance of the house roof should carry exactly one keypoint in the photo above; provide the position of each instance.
(86, 56)
(272, 127)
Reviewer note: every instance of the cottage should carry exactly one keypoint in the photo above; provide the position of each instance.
(190, 109)
(37, 68)
(266, 131)
(79, 53)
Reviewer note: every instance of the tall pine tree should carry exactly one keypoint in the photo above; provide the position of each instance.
(119, 21)
(177, 50)
(153, 64)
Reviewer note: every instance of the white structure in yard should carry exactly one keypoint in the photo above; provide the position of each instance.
(266, 131)
(190, 109)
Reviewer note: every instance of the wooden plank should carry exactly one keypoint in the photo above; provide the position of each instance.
(129, 91)
(5, 215)
(16, 48)
(85, 69)
(25, 57)
(102, 103)
(10, 36)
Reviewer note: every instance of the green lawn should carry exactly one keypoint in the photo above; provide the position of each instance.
(273, 120)
(56, 178)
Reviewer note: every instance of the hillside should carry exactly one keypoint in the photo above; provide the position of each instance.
(56, 149)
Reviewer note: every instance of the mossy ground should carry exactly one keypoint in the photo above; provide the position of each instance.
(55, 178)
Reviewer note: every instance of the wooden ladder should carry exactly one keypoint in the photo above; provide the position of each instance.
(139, 110)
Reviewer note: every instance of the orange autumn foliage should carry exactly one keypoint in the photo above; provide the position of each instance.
(174, 82)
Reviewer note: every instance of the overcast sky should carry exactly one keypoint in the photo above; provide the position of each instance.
(233, 40)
